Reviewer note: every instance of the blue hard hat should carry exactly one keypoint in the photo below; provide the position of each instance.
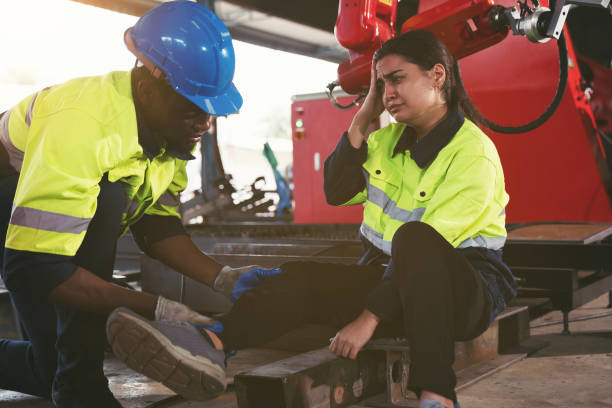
(193, 48)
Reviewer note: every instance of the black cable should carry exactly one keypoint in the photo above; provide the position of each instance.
(329, 90)
(604, 136)
(561, 85)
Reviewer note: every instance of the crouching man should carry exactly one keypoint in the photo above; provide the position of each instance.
(80, 163)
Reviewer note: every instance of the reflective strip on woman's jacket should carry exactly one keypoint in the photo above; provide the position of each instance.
(62, 141)
(460, 193)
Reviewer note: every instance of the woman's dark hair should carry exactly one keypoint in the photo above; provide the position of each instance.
(425, 50)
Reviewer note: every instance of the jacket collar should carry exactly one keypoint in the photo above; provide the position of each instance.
(426, 150)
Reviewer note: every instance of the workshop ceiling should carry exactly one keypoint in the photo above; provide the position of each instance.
(300, 26)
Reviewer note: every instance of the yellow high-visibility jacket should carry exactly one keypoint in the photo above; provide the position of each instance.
(460, 193)
(61, 141)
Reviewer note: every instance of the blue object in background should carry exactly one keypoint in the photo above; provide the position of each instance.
(282, 186)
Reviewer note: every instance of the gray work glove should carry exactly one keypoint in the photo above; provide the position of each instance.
(227, 277)
(167, 309)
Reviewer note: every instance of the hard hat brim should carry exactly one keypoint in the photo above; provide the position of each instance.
(224, 104)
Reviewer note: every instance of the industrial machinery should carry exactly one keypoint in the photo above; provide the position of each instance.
(220, 200)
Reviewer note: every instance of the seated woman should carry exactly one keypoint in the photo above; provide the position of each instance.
(433, 230)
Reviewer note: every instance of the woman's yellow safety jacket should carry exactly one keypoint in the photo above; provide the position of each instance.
(63, 140)
(460, 193)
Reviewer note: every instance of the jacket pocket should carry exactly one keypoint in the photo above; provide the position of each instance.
(382, 180)
(426, 189)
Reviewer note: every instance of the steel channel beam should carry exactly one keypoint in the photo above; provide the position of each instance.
(309, 249)
(315, 379)
(558, 255)
(274, 261)
(547, 278)
(398, 369)
(271, 230)
(513, 330)
(507, 331)
(565, 290)
(596, 286)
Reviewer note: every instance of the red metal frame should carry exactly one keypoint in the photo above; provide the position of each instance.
(362, 27)
(463, 25)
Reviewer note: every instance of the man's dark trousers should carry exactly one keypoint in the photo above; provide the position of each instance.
(63, 358)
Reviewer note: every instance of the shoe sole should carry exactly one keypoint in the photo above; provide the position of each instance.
(146, 350)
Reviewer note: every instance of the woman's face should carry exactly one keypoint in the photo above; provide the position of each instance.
(409, 94)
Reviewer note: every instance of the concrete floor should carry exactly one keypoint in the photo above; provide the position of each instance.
(572, 371)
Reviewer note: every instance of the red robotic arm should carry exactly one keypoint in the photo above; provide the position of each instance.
(363, 26)
(465, 26)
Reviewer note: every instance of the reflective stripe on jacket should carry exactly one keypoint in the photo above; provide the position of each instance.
(62, 140)
(460, 193)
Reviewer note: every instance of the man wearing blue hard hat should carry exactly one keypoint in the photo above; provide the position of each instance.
(80, 163)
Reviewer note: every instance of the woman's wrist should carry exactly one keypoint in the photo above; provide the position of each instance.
(369, 317)
(357, 130)
(362, 121)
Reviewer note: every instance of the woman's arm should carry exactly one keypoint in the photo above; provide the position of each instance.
(343, 178)
(344, 182)
(371, 109)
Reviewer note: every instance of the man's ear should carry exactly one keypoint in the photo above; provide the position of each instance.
(145, 90)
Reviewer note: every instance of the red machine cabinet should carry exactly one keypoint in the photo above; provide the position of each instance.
(316, 129)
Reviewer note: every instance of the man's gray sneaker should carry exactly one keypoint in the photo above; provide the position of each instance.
(430, 403)
(173, 353)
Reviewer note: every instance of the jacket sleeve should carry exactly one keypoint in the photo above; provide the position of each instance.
(153, 228)
(465, 202)
(168, 203)
(66, 156)
(344, 181)
(163, 220)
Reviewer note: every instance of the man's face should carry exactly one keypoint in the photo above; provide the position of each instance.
(179, 121)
